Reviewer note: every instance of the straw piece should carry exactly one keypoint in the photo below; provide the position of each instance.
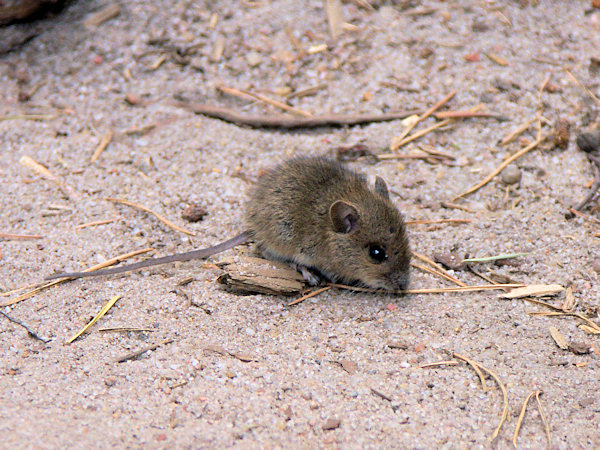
(103, 311)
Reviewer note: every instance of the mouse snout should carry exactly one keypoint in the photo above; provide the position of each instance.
(399, 280)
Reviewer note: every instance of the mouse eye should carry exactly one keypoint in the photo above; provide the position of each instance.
(377, 253)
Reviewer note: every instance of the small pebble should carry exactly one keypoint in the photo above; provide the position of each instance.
(332, 423)
(253, 58)
(511, 174)
(589, 142)
(596, 265)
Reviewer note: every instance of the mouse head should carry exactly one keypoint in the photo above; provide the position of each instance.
(370, 237)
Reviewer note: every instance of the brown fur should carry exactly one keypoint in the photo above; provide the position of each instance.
(288, 216)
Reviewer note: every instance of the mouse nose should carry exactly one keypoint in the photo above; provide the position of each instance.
(400, 280)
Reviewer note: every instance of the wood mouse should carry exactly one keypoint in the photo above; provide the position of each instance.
(324, 219)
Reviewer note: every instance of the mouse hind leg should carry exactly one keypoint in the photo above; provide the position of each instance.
(312, 276)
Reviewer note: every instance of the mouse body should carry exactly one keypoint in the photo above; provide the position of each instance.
(321, 217)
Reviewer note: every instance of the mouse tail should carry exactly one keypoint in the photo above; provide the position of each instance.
(241, 238)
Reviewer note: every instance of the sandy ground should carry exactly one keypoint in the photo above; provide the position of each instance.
(316, 363)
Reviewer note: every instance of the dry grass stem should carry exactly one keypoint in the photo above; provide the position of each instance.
(430, 222)
(521, 417)
(518, 131)
(14, 291)
(37, 167)
(103, 311)
(109, 262)
(485, 287)
(497, 59)
(438, 268)
(395, 142)
(44, 172)
(142, 351)
(475, 367)
(592, 327)
(156, 64)
(432, 151)
(436, 273)
(405, 140)
(93, 224)
(451, 205)
(504, 395)
(581, 85)
(440, 363)
(305, 92)
(123, 329)
(309, 295)
(264, 99)
(468, 114)
(27, 117)
(543, 417)
(106, 139)
(9, 236)
(494, 258)
(499, 169)
(163, 219)
(390, 156)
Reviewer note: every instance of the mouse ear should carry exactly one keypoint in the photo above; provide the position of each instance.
(381, 188)
(344, 217)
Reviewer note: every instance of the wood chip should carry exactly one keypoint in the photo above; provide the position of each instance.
(106, 139)
(534, 290)
(589, 329)
(559, 339)
(569, 303)
(247, 274)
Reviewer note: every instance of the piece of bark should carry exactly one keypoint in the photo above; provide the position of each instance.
(251, 275)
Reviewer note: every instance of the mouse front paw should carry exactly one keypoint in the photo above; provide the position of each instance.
(311, 277)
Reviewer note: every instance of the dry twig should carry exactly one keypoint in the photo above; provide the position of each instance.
(309, 295)
(281, 121)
